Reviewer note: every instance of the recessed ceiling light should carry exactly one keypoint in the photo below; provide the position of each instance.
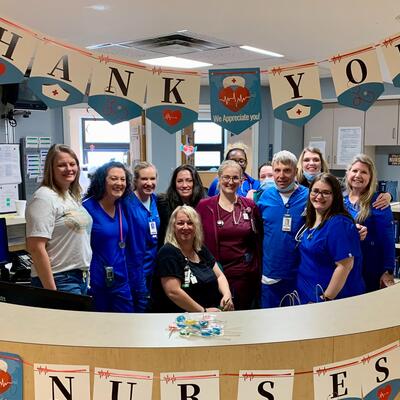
(182, 31)
(175, 62)
(99, 7)
(261, 51)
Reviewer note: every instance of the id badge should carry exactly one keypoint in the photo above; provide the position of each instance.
(287, 223)
(153, 228)
(245, 216)
(193, 279)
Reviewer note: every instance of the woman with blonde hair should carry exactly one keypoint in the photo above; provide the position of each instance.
(58, 227)
(311, 163)
(378, 248)
(186, 277)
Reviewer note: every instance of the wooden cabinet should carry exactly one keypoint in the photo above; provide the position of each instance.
(324, 127)
(382, 124)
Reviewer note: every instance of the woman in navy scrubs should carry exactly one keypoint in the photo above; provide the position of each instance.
(108, 270)
(330, 266)
(378, 248)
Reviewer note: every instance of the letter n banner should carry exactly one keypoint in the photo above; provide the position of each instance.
(61, 382)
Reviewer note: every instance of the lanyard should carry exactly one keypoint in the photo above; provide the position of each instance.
(121, 242)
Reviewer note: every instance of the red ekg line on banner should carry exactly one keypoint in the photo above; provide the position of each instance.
(45, 370)
(174, 378)
(106, 374)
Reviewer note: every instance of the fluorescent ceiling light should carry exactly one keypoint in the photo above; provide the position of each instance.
(261, 51)
(175, 62)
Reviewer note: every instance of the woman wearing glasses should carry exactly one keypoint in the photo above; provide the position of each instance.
(378, 248)
(232, 226)
(237, 153)
(330, 265)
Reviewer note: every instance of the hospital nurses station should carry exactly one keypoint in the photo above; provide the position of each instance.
(191, 213)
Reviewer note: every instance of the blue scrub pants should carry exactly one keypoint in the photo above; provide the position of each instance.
(272, 295)
(116, 298)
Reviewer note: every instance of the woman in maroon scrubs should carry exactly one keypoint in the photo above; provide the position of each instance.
(232, 226)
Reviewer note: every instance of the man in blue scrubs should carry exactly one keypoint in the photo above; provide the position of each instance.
(282, 208)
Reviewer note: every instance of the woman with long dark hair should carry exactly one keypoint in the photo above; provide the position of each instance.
(185, 188)
(330, 265)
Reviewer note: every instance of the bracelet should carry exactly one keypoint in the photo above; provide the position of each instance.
(324, 297)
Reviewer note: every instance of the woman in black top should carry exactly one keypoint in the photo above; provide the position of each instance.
(185, 188)
(187, 277)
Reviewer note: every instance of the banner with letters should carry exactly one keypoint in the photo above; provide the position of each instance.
(296, 92)
(173, 100)
(59, 76)
(116, 87)
(17, 46)
(235, 99)
(372, 376)
(357, 78)
(117, 90)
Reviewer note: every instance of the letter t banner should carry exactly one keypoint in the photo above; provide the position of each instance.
(16, 50)
(115, 384)
(61, 382)
(391, 50)
(265, 385)
(295, 92)
(197, 385)
(357, 78)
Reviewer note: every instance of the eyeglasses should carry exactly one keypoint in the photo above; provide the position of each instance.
(227, 178)
(323, 193)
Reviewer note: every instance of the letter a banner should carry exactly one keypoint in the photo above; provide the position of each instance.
(16, 50)
(357, 78)
(173, 100)
(117, 89)
(55, 382)
(391, 50)
(59, 76)
(110, 384)
(200, 385)
(295, 92)
(11, 381)
(235, 98)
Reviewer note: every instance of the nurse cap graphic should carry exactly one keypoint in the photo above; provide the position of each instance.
(5, 377)
(234, 95)
(298, 112)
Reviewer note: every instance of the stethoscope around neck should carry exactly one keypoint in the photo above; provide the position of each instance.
(121, 242)
(220, 223)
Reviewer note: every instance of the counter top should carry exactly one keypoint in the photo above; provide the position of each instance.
(372, 311)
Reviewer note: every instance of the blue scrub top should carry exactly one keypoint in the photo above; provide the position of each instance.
(104, 240)
(247, 184)
(280, 254)
(378, 248)
(320, 248)
(141, 248)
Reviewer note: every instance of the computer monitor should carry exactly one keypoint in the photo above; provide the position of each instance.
(37, 297)
(4, 254)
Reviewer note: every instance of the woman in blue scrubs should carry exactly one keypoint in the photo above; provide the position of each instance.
(330, 266)
(140, 208)
(378, 248)
(108, 270)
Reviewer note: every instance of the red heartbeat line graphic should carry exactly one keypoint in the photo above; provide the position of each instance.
(170, 117)
(107, 374)
(45, 370)
(4, 383)
(174, 378)
(250, 376)
(240, 100)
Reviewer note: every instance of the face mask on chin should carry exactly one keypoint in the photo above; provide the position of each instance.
(267, 183)
(287, 189)
(310, 177)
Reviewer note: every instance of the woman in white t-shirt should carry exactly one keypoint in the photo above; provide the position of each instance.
(58, 227)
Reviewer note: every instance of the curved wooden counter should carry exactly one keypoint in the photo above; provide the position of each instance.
(290, 338)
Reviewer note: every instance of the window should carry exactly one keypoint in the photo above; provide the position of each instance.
(103, 142)
(210, 141)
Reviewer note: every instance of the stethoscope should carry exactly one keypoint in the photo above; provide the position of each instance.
(121, 242)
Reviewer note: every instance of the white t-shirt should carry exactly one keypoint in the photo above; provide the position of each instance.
(66, 224)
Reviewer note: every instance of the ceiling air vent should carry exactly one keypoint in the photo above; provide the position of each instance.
(176, 43)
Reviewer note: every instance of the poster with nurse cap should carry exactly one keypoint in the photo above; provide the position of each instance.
(11, 377)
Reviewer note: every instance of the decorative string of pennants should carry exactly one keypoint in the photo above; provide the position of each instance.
(120, 89)
(373, 376)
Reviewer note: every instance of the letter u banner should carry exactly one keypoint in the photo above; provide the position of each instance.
(173, 100)
(357, 78)
(235, 98)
